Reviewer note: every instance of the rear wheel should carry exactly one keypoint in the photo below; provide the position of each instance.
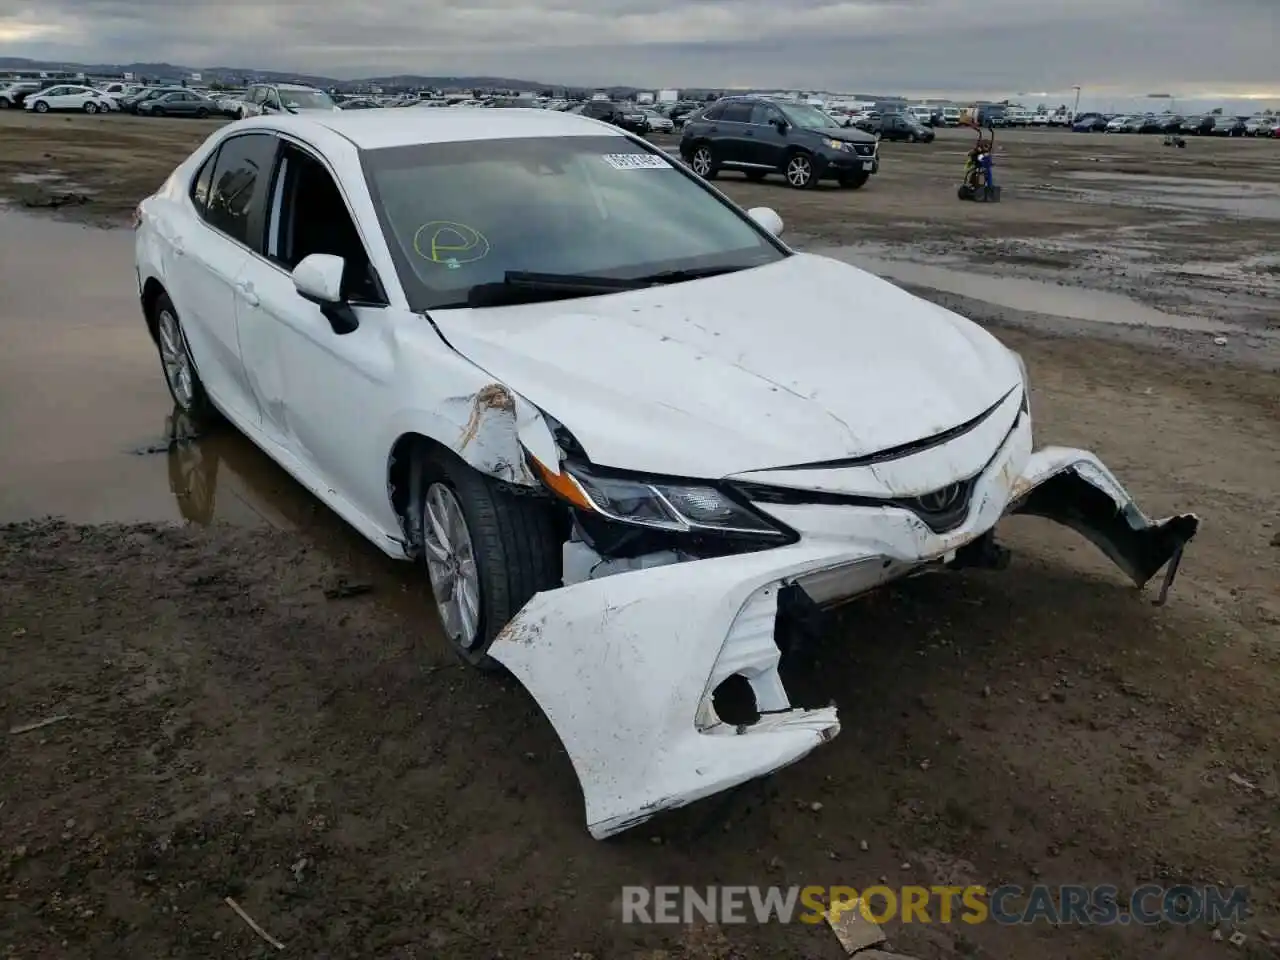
(4, 103)
(800, 172)
(486, 550)
(158, 112)
(202, 113)
(703, 162)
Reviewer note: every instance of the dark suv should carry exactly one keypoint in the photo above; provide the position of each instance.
(760, 137)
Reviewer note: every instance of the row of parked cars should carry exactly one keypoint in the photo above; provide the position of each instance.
(1210, 125)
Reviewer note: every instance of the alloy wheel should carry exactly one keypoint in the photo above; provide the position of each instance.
(799, 171)
(701, 161)
(176, 359)
(451, 565)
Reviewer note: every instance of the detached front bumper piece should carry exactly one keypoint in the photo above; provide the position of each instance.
(626, 666)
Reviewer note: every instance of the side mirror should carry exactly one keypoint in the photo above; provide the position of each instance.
(318, 279)
(768, 218)
(781, 125)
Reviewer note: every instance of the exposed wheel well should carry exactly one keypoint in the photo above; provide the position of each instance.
(404, 484)
(151, 292)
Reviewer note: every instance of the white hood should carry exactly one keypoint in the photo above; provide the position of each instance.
(804, 360)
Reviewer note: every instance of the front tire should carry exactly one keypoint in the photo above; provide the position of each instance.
(800, 173)
(202, 114)
(179, 367)
(487, 551)
(41, 107)
(91, 108)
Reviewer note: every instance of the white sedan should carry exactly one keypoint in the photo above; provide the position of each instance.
(631, 435)
(70, 97)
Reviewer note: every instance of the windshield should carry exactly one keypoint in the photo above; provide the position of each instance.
(306, 100)
(461, 215)
(806, 117)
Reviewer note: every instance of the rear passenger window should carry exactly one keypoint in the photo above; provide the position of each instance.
(715, 113)
(200, 186)
(737, 113)
(237, 196)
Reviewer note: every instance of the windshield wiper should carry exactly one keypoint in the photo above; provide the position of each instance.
(680, 276)
(520, 286)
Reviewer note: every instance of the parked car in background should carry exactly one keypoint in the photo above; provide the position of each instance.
(632, 119)
(118, 90)
(658, 122)
(1171, 124)
(13, 94)
(1040, 120)
(265, 98)
(869, 121)
(180, 103)
(69, 97)
(1117, 124)
(760, 136)
(360, 103)
(903, 126)
(1089, 123)
(1260, 126)
(951, 116)
(130, 103)
(1200, 126)
(1229, 127)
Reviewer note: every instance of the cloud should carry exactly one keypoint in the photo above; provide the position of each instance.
(971, 46)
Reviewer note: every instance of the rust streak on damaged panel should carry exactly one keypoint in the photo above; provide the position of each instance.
(493, 397)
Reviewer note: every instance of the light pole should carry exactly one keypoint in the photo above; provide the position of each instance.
(1075, 111)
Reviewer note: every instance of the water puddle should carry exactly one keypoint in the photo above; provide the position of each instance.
(1245, 199)
(1031, 296)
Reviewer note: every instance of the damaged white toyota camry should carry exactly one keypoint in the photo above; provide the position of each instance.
(636, 441)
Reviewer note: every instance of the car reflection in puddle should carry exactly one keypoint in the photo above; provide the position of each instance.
(217, 476)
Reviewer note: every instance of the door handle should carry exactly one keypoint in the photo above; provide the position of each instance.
(245, 289)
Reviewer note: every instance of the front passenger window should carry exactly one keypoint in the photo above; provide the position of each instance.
(309, 215)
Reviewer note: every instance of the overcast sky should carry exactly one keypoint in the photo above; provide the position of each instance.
(973, 47)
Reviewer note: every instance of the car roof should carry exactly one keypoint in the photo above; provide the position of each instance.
(376, 129)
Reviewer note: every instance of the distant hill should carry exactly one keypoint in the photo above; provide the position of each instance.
(224, 73)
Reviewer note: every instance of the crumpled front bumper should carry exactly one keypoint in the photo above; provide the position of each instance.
(625, 666)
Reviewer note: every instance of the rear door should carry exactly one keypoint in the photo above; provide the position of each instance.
(770, 145)
(211, 250)
(735, 142)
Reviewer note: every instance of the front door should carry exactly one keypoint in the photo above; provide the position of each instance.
(320, 391)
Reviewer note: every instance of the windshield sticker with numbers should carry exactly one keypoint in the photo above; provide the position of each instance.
(635, 161)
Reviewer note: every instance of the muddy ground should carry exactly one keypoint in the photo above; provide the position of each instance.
(230, 730)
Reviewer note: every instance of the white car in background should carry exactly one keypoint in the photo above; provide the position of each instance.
(70, 97)
(272, 98)
(632, 437)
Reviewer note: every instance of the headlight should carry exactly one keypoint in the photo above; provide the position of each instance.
(835, 144)
(673, 506)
